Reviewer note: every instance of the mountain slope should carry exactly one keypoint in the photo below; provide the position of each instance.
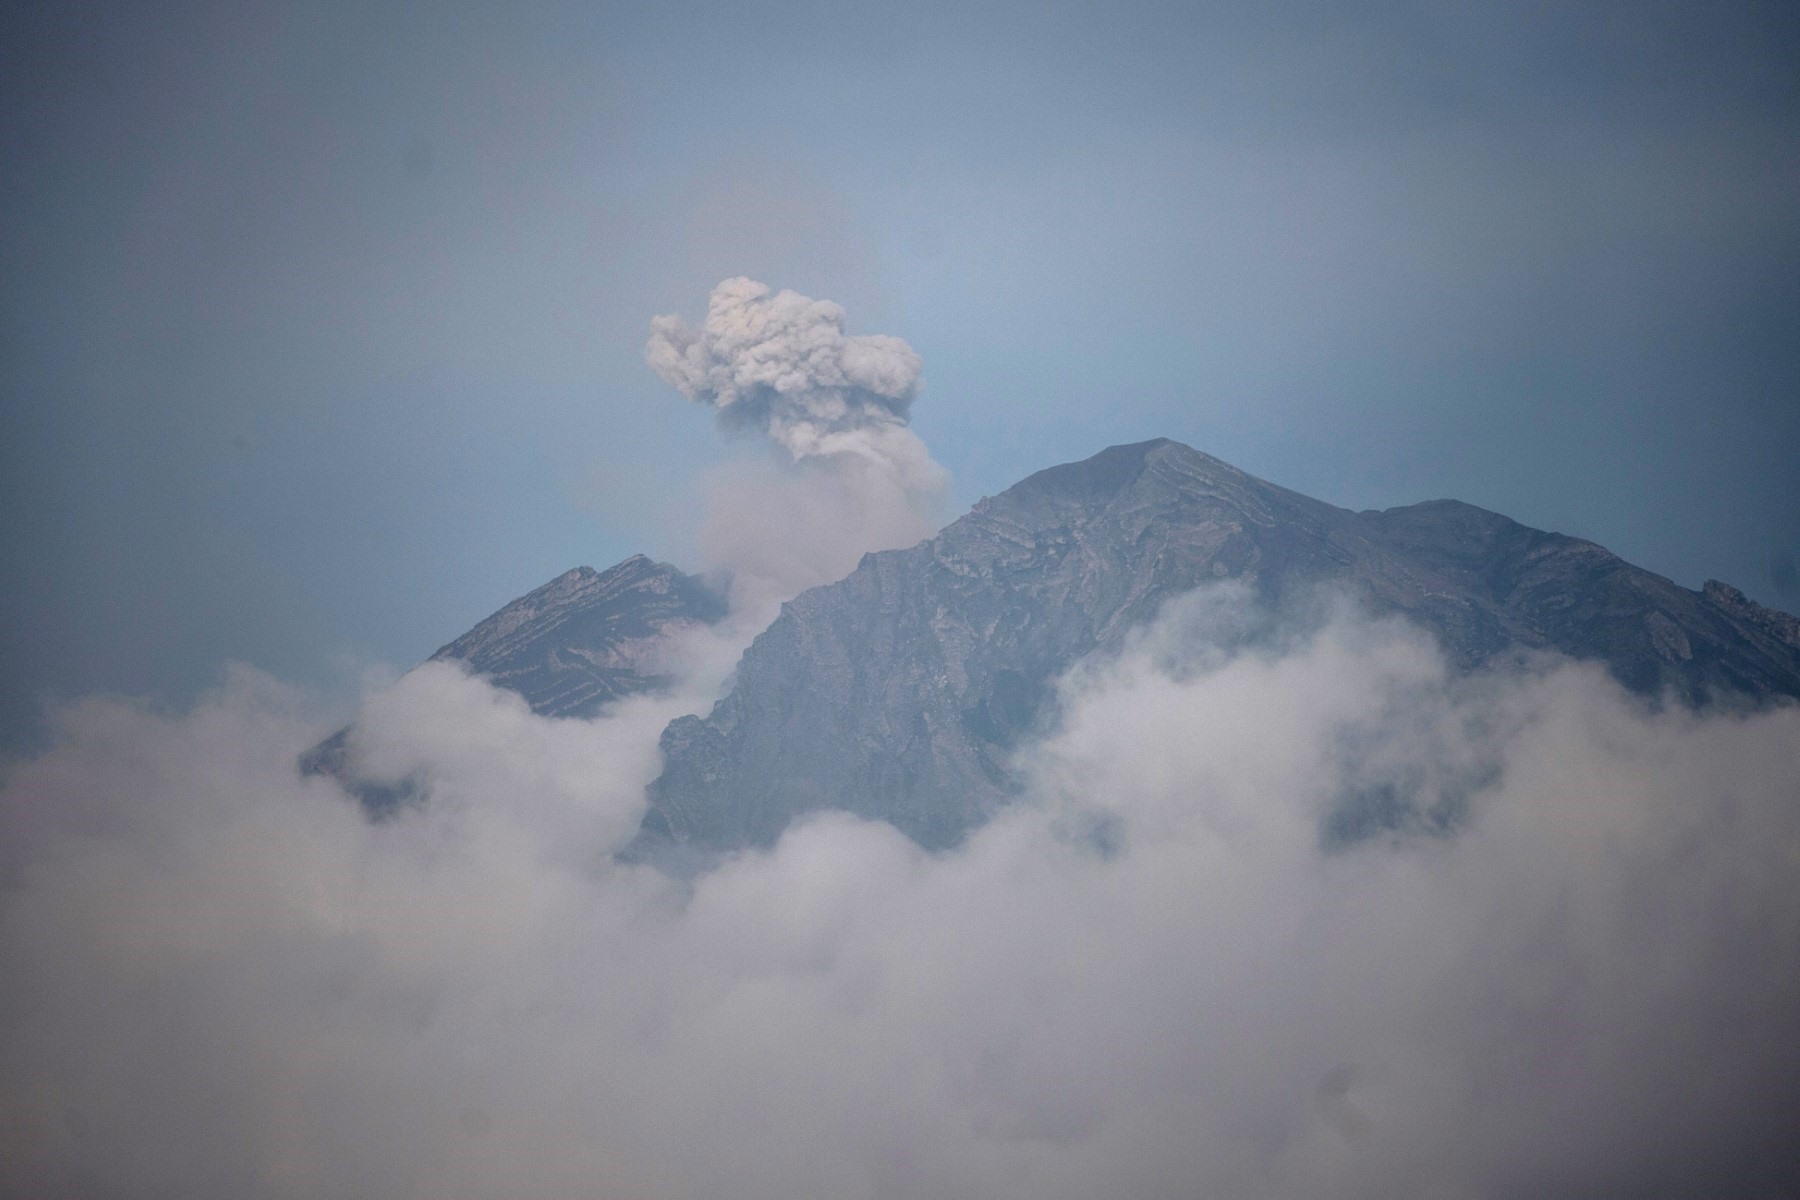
(587, 637)
(900, 691)
(569, 648)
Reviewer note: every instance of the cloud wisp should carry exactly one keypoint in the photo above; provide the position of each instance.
(1153, 977)
(856, 479)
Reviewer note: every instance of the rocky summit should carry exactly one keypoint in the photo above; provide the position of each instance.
(902, 691)
(587, 637)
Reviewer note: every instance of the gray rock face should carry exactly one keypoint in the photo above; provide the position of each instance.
(569, 648)
(899, 692)
(587, 637)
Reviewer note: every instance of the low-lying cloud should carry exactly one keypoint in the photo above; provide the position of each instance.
(855, 477)
(1155, 976)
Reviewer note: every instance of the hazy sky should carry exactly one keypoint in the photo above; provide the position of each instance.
(323, 328)
(324, 333)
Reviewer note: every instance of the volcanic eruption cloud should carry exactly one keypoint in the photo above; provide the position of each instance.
(781, 365)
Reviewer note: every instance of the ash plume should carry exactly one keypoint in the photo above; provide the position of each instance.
(856, 477)
(782, 364)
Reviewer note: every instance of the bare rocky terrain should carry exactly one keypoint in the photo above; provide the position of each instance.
(901, 692)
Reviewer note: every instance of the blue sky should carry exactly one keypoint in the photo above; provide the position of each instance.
(322, 326)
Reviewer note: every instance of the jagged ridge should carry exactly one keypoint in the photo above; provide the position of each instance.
(587, 638)
(900, 692)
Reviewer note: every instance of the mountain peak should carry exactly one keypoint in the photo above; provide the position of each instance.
(902, 691)
(1104, 474)
(629, 602)
(1158, 471)
(637, 571)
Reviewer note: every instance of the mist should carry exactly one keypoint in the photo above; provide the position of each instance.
(1156, 975)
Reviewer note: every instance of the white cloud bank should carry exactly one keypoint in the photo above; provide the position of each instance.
(1149, 981)
(856, 478)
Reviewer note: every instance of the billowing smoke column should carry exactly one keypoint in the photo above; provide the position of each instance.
(780, 364)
